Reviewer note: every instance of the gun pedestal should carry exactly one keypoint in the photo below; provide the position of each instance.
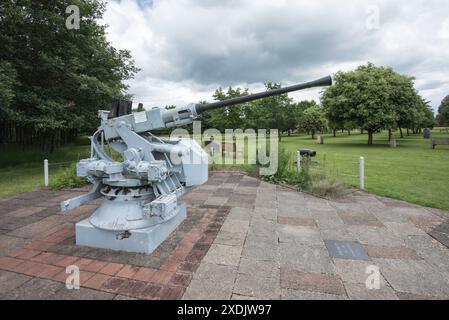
(144, 240)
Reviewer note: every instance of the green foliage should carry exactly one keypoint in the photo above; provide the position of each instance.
(226, 118)
(313, 119)
(7, 83)
(278, 112)
(304, 179)
(294, 112)
(272, 112)
(427, 119)
(67, 180)
(361, 97)
(375, 98)
(370, 98)
(58, 78)
(25, 167)
(304, 105)
(284, 167)
(288, 174)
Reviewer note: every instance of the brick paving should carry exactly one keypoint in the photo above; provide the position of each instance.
(37, 243)
(242, 239)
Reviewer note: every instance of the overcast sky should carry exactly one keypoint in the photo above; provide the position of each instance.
(186, 49)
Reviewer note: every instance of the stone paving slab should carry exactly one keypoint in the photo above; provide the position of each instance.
(243, 239)
(284, 255)
(258, 285)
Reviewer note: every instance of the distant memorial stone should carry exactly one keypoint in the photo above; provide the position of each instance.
(320, 140)
(441, 233)
(346, 250)
(426, 133)
(393, 143)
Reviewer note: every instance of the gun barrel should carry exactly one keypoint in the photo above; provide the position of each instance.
(326, 81)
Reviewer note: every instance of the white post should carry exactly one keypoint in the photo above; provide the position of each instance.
(91, 148)
(362, 173)
(46, 172)
(298, 160)
(102, 140)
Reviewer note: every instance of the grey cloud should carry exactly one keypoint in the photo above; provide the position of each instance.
(206, 44)
(432, 84)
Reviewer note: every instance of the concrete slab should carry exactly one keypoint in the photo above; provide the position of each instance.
(223, 255)
(260, 286)
(305, 258)
(416, 277)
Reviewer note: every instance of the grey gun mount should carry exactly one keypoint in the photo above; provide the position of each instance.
(161, 118)
(141, 192)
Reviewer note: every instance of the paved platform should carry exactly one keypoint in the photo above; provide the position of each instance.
(242, 239)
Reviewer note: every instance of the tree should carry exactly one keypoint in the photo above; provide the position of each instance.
(336, 120)
(58, 78)
(294, 112)
(291, 121)
(233, 117)
(362, 98)
(429, 120)
(443, 112)
(306, 104)
(7, 86)
(424, 117)
(276, 112)
(273, 112)
(404, 98)
(313, 119)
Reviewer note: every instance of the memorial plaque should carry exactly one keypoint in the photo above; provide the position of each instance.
(441, 233)
(346, 250)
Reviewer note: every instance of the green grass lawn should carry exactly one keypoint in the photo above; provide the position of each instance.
(411, 172)
(22, 170)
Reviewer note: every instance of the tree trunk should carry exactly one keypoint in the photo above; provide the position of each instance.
(389, 134)
(402, 133)
(370, 137)
(349, 132)
(335, 132)
(313, 134)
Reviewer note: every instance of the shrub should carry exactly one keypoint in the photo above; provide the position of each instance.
(304, 180)
(288, 174)
(301, 179)
(283, 170)
(67, 180)
(328, 188)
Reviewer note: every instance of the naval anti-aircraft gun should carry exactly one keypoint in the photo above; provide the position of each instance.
(141, 192)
